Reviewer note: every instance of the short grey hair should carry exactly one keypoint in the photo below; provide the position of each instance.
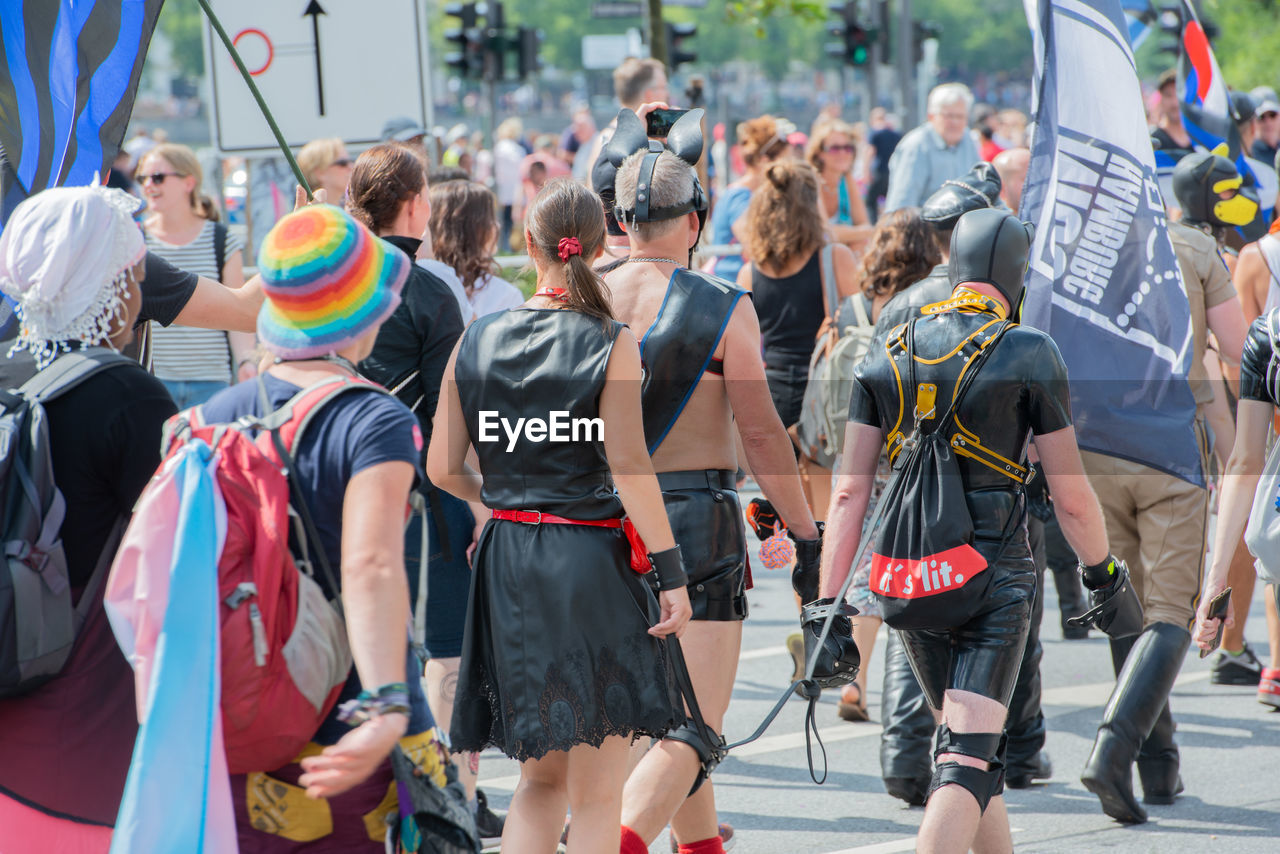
(949, 93)
(672, 185)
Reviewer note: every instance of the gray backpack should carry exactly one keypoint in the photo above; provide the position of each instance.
(38, 624)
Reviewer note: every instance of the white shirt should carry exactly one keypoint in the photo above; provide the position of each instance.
(492, 293)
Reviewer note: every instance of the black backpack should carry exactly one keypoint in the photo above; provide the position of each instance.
(38, 625)
(925, 571)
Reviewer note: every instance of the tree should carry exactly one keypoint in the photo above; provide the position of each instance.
(182, 22)
(1248, 41)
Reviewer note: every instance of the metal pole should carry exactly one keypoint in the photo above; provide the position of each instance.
(257, 96)
(654, 31)
(906, 59)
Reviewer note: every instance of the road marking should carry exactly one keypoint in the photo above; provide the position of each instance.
(893, 846)
(763, 652)
(1227, 731)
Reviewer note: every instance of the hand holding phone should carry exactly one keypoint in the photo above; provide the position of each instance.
(658, 123)
(1217, 611)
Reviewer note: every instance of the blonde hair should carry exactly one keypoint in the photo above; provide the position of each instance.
(822, 131)
(318, 155)
(185, 163)
(509, 129)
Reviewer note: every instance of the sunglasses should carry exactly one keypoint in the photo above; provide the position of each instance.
(157, 177)
(341, 161)
(846, 149)
(1268, 115)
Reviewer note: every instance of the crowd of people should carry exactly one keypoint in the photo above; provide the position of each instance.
(578, 601)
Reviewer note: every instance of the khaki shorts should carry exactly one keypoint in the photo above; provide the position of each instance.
(1157, 524)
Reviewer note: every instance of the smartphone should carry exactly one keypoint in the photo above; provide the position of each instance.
(1218, 610)
(659, 122)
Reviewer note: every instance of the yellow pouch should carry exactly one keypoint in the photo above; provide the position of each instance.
(284, 810)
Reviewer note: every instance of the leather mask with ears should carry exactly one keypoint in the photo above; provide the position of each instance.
(684, 141)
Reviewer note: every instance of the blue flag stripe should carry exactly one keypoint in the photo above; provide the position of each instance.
(13, 29)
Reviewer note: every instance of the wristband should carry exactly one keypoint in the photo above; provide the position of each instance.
(668, 566)
(822, 529)
(390, 699)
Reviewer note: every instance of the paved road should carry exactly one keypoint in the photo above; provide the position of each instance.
(1231, 760)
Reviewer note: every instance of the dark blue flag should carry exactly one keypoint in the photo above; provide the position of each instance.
(1103, 278)
(68, 76)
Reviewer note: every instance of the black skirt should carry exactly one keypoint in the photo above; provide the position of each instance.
(556, 651)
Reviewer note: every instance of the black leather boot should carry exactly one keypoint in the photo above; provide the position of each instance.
(906, 743)
(1025, 759)
(1158, 760)
(1141, 690)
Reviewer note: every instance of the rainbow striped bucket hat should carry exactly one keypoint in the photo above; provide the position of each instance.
(328, 280)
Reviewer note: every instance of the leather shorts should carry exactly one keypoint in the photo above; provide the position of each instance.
(983, 655)
(707, 521)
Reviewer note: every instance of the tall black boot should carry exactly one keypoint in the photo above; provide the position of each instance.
(906, 743)
(1158, 760)
(1141, 690)
(1026, 760)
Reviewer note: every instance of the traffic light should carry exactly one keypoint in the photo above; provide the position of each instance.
(921, 32)
(854, 47)
(468, 58)
(527, 41)
(677, 52)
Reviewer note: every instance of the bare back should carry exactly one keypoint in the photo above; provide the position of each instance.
(703, 435)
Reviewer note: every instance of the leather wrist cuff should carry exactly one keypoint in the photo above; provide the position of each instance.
(822, 528)
(668, 566)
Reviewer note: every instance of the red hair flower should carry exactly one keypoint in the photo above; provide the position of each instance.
(569, 246)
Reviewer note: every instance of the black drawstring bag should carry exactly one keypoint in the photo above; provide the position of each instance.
(924, 569)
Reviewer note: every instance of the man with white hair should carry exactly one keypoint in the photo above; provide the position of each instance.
(936, 151)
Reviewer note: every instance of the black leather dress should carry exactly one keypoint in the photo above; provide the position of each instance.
(1022, 388)
(702, 505)
(555, 652)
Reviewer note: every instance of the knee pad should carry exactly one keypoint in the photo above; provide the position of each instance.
(710, 753)
(987, 746)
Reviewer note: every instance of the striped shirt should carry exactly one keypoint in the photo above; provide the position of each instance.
(181, 352)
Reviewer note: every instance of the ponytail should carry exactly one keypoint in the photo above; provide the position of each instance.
(205, 207)
(566, 212)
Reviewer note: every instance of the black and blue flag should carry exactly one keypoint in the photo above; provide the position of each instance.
(69, 72)
(1103, 278)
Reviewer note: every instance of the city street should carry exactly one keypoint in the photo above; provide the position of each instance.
(1231, 801)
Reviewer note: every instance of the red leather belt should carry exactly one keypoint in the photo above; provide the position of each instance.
(639, 554)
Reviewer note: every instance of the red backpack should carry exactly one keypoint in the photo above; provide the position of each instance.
(284, 648)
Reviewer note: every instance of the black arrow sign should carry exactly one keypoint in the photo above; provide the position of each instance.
(315, 11)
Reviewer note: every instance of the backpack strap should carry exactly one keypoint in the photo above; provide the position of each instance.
(69, 370)
(220, 247)
(830, 289)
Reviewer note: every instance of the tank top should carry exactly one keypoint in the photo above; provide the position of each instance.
(1269, 246)
(790, 310)
(546, 364)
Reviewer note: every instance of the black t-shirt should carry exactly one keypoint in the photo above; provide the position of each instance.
(166, 290)
(105, 439)
(884, 141)
(1255, 362)
(419, 336)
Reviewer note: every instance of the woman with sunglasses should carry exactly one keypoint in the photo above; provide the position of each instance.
(760, 144)
(182, 228)
(831, 151)
(326, 166)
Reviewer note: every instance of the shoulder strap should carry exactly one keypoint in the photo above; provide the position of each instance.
(220, 247)
(69, 370)
(830, 289)
(860, 310)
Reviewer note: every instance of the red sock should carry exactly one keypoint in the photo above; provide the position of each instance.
(706, 846)
(632, 843)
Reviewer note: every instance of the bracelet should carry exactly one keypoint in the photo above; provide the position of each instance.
(668, 566)
(390, 699)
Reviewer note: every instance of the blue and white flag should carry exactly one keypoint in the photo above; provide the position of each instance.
(1103, 278)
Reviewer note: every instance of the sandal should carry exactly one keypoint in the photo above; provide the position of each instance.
(852, 705)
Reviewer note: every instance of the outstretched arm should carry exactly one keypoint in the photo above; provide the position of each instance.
(764, 440)
(849, 499)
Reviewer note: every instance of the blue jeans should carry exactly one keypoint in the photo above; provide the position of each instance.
(189, 393)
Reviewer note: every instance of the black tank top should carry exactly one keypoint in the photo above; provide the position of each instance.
(790, 310)
(546, 364)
